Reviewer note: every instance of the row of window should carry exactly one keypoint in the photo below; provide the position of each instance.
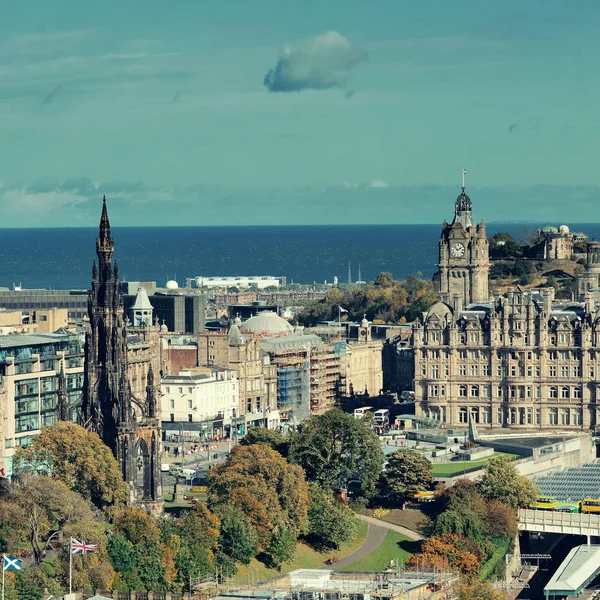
(522, 416)
(190, 390)
(564, 339)
(512, 391)
(471, 355)
(475, 370)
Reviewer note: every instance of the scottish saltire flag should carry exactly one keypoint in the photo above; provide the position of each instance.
(10, 563)
(82, 547)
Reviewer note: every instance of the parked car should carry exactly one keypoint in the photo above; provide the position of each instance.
(175, 471)
(165, 468)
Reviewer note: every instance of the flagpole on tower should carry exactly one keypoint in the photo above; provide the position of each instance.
(464, 172)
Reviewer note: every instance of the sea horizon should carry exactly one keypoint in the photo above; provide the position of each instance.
(62, 257)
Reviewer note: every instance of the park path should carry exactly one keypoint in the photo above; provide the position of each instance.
(374, 539)
(409, 533)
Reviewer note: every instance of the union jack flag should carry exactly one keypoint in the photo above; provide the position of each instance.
(82, 547)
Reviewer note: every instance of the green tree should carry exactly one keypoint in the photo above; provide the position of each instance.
(501, 481)
(122, 555)
(237, 539)
(79, 459)
(330, 523)
(270, 437)
(384, 280)
(282, 547)
(408, 472)
(503, 244)
(474, 589)
(334, 447)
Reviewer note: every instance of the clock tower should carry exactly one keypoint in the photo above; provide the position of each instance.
(464, 264)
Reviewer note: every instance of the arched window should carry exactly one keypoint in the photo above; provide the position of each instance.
(462, 415)
(475, 391)
(552, 393)
(576, 392)
(462, 391)
(564, 392)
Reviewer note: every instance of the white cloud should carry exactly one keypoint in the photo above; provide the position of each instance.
(318, 63)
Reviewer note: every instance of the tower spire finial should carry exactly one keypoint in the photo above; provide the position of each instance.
(464, 172)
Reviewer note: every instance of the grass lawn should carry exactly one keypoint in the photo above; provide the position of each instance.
(458, 467)
(305, 558)
(410, 518)
(395, 547)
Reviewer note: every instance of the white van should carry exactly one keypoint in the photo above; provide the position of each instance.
(359, 413)
(188, 474)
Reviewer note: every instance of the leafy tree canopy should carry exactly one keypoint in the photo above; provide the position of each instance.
(334, 447)
(264, 486)
(330, 523)
(386, 300)
(408, 472)
(79, 459)
(270, 437)
(502, 482)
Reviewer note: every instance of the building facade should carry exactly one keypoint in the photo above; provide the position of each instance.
(37, 374)
(464, 265)
(208, 397)
(519, 360)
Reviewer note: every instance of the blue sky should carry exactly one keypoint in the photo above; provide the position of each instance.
(369, 114)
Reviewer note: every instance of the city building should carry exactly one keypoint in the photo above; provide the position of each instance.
(126, 419)
(206, 398)
(45, 320)
(464, 265)
(177, 311)
(246, 311)
(75, 301)
(558, 242)
(519, 360)
(37, 373)
(363, 367)
(245, 281)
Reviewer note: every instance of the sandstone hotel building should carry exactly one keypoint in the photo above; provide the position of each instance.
(522, 360)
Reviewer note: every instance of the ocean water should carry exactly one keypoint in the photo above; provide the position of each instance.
(62, 258)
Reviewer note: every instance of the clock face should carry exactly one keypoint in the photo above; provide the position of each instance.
(457, 250)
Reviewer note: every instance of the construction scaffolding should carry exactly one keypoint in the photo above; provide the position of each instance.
(293, 391)
(325, 379)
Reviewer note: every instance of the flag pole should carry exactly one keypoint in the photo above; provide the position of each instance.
(3, 556)
(70, 567)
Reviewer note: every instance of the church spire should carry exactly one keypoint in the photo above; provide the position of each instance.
(104, 244)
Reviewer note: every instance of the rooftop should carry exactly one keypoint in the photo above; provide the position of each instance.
(577, 570)
(34, 339)
(575, 483)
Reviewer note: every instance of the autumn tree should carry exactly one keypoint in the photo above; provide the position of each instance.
(265, 487)
(408, 472)
(79, 459)
(38, 509)
(449, 551)
(334, 447)
(330, 523)
(501, 481)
